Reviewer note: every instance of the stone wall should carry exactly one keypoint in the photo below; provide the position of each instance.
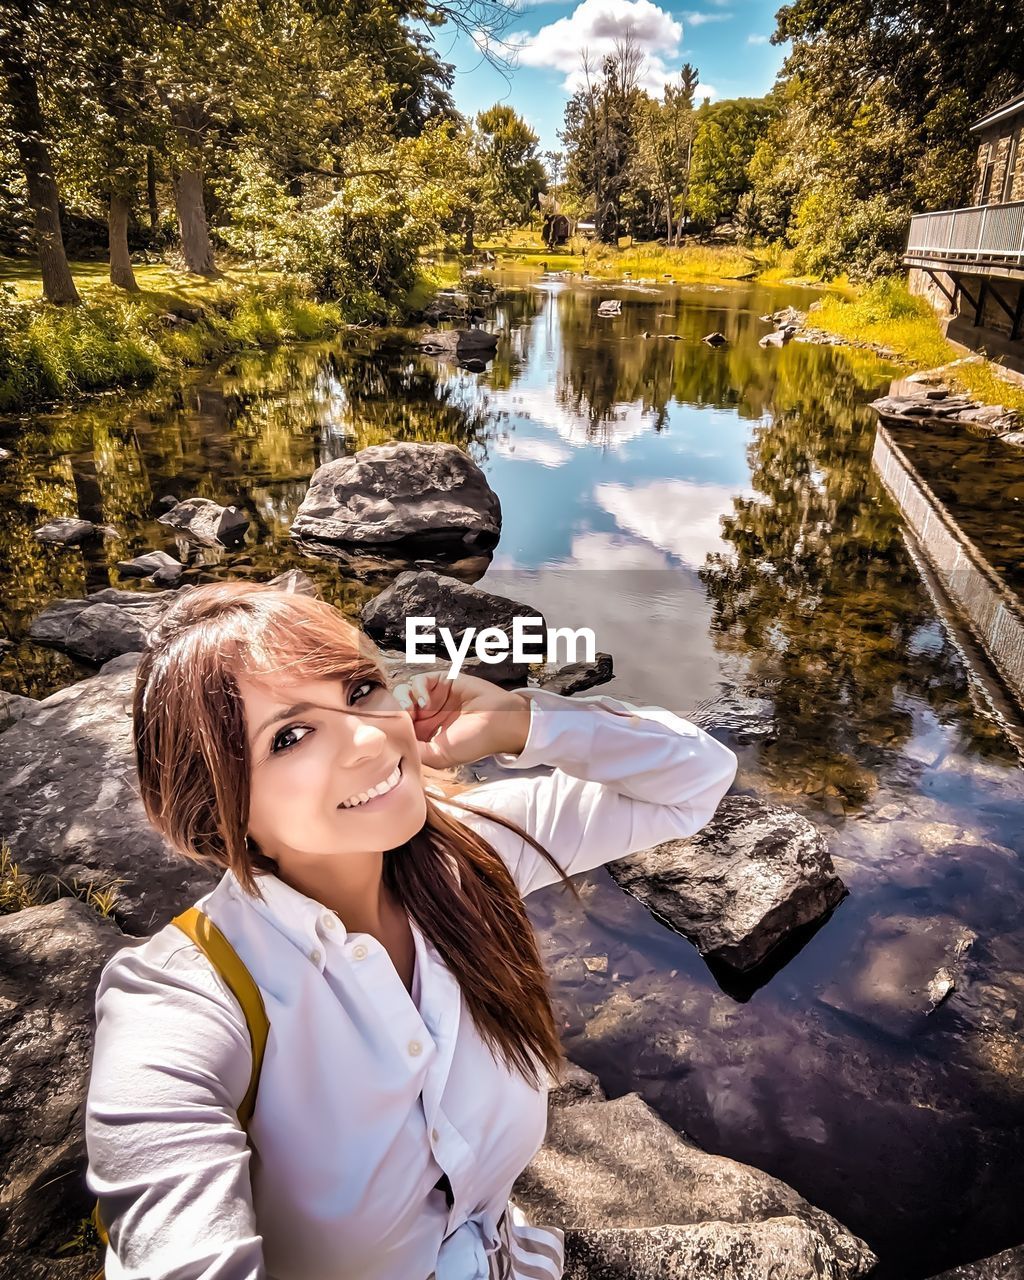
(1003, 145)
(921, 284)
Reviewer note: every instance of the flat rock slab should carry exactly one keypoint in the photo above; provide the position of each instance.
(452, 604)
(574, 677)
(395, 492)
(638, 1200)
(107, 623)
(69, 804)
(207, 522)
(987, 419)
(742, 884)
(150, 564)
(67, 531)
(459, 342)
(1008, 1265)
(51, 961)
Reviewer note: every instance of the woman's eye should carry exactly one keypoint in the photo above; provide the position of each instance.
(278, 745)
(368, 685)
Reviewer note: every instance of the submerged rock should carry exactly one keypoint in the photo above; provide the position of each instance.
(742, 884)
(69, 802)
(52, 957)
(153, 564)
(1008, 1265)
(779, 338)
(103, 625)
(65, 531)
(393, 492)
(207, 521)
(463, 343)
(638, 1200)
(574, 677)
(715, 339)
(452, 604)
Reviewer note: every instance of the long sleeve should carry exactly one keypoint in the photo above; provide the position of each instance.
(624, 778)
(167, 1156)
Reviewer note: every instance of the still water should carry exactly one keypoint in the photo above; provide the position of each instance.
(713, 515)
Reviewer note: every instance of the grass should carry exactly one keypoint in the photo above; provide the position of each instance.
(19, 891)
(115, 339)
(887, 313)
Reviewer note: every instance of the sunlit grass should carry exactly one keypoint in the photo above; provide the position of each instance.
(888, 314)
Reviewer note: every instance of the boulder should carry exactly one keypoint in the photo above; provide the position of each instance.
(786, 318)
(638, 1200)
(779, 338)
(715, 339)
(452, 604)
(207, 522)
(447, 304)
(609, 307)
(67, 532)
(573, 677)
(387, 493)
(1008, 1265)
(741, 885)
(463, 343)
(52, 957)
(69, 804)
(104, 624)
(152, 563)
(13, 706)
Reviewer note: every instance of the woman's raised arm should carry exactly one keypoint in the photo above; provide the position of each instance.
(624, 777)
(168, 1158)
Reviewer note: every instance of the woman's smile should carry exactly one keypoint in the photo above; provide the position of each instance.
(376, 796)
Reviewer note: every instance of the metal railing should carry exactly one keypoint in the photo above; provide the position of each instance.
(984, 233)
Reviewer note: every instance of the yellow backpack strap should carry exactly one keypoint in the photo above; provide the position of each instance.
(225, 959)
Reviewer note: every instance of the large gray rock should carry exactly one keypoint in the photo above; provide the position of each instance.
(987, 419)
(153, 564)
(14, 706)
(207, 522)
(50, 961)
(638, 1200)
(69, 804)
(104, 624)
(452, 604)
(574, 677)
(391, 492)
(1008, 1265)
(741, 885)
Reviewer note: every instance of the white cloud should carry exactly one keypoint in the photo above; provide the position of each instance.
(595, 26)
(757, 39)
(703, 91)
(700, 17)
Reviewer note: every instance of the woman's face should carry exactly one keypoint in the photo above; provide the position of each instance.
(316, 749)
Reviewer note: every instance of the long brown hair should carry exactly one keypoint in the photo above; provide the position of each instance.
(192, 755)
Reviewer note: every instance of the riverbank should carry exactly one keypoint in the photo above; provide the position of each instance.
(176, 320)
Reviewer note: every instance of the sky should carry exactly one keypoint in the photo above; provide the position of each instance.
(726, 40)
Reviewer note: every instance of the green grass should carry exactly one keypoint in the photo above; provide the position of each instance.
(887, 313)
(115, 339)
(19, 891)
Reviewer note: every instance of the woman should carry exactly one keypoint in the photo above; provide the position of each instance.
(412, 1040)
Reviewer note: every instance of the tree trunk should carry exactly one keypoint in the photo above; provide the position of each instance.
(29, 130)
(195, 235)
(468, 245)
(154, 211)
(121, 272)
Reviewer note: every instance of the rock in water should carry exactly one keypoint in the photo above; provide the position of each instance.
(390, 492)
(452, 604)
(52, 957)
(743, 883)
(779, 338)
(464, 343)
(152, 564)
(207, 521)
(69, 802)
(103, 625)
(1008, 1265)
(610, 307)
(637, 1201)
(574, 677)
(66, 531)
(715, 339)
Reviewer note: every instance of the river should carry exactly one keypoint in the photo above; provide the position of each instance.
(714, 516)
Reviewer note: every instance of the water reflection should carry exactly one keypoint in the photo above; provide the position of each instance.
(713, 515)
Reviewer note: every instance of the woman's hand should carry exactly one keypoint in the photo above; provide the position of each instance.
(461, 720)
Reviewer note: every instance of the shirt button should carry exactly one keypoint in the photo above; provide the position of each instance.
(314, 955)
(415, 1048)
(330, 922)
(359, 952)
(434, 1135)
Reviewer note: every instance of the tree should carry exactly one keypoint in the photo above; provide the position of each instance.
(666, 132)
(726, 138)
(511, 173)
(20, 26)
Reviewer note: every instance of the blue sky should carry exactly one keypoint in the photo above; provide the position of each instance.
(726, 40)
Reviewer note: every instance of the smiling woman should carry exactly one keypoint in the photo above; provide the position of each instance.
(411, 1037)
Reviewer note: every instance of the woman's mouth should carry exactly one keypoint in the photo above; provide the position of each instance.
(377, 794)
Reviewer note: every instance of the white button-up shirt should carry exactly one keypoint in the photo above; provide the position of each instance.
(368, 1093)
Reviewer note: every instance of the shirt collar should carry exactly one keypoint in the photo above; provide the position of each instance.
(292, 913)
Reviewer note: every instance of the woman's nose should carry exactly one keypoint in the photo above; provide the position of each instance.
(359, 741)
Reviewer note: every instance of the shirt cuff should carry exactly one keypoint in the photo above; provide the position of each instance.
(552, 716)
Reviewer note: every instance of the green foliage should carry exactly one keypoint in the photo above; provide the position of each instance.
(727, 136)
(835, 233)
(509, 172)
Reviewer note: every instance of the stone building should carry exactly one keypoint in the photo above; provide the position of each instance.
(969, 263)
